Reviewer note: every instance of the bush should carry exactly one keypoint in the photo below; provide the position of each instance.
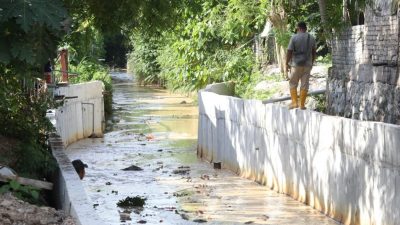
(320, 103)
(210, 42)
(90, 71)
(24, 118)
(245, 88)
(136, 201)
(26, 193)
(142, 61)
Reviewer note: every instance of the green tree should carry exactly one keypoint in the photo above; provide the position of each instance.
(31, 32)
(210, 41)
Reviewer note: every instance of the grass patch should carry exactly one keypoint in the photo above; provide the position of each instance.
(246, 90)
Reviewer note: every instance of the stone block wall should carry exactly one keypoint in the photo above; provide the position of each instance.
(364, 80)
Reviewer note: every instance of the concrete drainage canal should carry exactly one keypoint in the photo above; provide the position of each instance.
(145, 169)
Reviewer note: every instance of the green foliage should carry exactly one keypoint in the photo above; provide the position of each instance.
(296, 11)
(31, 30)
(335, 14)
(320, 103)
(25, 193)
(84, 42)
(23, 114)
(136, 201)
(197, 68)
(29, 13)
(112, 16)
(308, 12)
(245, 88)
(282, 37)
(116, 48)
(325, 59)
(211, 42)
(89, 71)
(143, 60)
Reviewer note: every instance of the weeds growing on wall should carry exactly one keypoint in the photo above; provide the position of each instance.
(320, 103)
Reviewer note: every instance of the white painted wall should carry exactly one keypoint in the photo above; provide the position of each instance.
(348, 169)
(75, 119)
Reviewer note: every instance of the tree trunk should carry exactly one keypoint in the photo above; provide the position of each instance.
(326, 34)
(281, 58)
(345, 11)
(322, 11)
(279, 22)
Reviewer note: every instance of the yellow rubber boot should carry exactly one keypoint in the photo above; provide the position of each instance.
(293, 95)
(303, 96)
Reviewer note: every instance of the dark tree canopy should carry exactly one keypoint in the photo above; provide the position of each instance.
(31, 31)
(116, 50)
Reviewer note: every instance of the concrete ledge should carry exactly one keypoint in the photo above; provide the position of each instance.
(348, 169)
(69, 193)
(81, 92)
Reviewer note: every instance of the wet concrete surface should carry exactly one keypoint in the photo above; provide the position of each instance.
(157, 131)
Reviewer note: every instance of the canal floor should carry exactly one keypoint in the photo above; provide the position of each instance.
(156, 131)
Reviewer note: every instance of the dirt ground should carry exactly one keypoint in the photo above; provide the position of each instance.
(319, 74)
(280, 88)
(14, 211)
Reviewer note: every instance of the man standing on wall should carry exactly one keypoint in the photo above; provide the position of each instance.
(299, 61)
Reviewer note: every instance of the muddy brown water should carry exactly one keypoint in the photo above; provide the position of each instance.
(156, 130)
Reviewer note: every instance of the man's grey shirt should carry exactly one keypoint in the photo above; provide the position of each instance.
(298, 43)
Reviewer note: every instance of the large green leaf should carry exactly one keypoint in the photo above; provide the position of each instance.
(30, 12)
(5, 55)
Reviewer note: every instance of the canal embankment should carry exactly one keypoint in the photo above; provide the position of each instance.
(347, 169)
(156, 131)
(80, 115)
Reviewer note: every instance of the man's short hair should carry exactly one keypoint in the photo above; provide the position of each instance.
(79, 165)
(302, 25)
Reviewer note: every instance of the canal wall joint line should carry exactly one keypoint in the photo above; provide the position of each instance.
(347, 169)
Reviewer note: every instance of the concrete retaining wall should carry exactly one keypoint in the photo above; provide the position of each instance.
(81, 116)
(348, 169)
(68, 191)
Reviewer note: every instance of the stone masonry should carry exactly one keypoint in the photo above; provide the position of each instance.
(364, 80)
